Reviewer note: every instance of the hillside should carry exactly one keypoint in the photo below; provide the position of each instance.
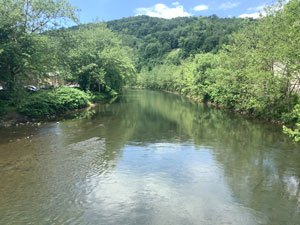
(153, 38)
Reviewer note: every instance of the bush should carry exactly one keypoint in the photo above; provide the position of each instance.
(293, 133)
(45, 103)
(294, 117)
(4, 108)
(71, 98)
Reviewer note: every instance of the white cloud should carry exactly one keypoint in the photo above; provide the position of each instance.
(228, 5)
(251, 15)
(201, 7)
(257, 12)
(261, 8)
(163, 11)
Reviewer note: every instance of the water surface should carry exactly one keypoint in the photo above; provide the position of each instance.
(150, 158)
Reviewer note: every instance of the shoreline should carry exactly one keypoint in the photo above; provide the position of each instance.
(243, 113)
(14, 118)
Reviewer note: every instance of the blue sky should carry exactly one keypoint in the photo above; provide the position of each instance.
(115, 9)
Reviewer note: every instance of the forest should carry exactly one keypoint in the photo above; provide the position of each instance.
(248, 65)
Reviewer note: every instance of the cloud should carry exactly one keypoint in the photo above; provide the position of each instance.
(162, 11)
(257, 12)
(228, 5)
(255, 15)
(261, 9)
(200, 8)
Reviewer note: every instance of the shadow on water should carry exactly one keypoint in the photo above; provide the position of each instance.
(150, 158)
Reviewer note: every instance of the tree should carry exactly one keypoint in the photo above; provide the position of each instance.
(95, 58)
(25, 52)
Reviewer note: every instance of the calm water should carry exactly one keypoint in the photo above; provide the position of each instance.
(150, 158)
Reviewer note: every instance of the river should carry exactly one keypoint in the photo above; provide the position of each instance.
(150, 158)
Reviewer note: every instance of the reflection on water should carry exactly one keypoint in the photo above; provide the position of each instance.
(149, 158)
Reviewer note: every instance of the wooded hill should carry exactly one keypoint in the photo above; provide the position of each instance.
(153, 38)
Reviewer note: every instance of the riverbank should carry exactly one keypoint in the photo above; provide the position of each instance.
(14, 118)
(51, 105)
(244, 113)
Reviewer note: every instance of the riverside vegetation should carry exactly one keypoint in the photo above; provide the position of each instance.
(243, 64)
(35, 48)
(256, 69)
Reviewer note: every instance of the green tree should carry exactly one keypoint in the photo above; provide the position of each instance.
(24, 51)
(96, 58)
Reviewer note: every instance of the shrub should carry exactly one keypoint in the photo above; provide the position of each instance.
(45, 103)
(39, 104)
(71, 98)
(295, 117)
(4, 108)
(293, 133)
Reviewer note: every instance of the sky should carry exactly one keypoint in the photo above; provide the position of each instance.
(106, 10)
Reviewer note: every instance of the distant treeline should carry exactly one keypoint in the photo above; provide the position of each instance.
(153, 38)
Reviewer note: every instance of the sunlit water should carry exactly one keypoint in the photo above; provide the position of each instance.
(150, 158)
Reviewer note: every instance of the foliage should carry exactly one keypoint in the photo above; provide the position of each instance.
(293, 133)
(4, 108)
(94, 58)
(243, 64)
(24, 53)
(45, 103)
(153, 38)
(258, 72)
(70, 98)
(295, 117)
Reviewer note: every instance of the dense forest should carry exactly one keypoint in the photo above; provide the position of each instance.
(154, 38)
(247, 65)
